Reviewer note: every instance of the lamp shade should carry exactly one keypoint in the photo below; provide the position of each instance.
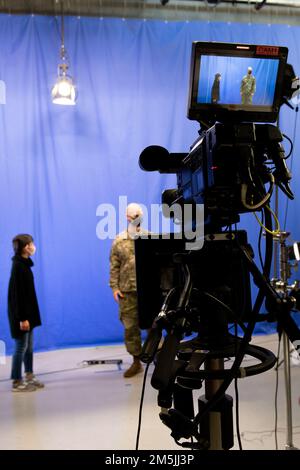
(64, 91)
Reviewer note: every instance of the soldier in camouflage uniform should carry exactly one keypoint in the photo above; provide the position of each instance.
(248, 87)
(123, 284)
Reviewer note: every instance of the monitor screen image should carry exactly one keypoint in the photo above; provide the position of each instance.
(237, 80)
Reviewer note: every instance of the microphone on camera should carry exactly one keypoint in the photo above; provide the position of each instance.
(157, 158)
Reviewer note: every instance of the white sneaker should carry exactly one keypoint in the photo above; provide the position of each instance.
(23, 387)
(295, 358)
(32, 380)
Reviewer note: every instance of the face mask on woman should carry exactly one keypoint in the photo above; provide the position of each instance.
(32, 249)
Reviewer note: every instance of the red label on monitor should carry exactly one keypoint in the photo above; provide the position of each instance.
(267, 50)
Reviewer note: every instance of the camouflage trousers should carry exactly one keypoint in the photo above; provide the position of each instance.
(128, 313)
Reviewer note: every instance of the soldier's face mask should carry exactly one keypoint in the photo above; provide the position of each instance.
(134, 226)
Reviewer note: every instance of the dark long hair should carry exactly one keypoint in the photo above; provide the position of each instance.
(20, 241)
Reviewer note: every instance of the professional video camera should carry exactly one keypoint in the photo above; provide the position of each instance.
(236, 90)
(226, 168)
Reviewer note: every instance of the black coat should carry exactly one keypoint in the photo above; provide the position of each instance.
(22, 300)
(215, 91)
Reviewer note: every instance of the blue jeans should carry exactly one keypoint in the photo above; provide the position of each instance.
(23, 353)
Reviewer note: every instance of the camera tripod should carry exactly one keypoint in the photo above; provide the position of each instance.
(175, 379)
(281, 286)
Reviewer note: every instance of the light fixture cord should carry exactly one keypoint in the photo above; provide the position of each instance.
(63, 52)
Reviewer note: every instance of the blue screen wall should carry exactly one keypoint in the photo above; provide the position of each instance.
(57, 164)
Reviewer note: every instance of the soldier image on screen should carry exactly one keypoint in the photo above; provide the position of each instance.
(248, 87)
(215, 90)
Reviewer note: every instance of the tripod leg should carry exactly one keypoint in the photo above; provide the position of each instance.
(217, 426)
(287, 376)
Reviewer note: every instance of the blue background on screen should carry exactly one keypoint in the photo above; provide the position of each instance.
(232, 70)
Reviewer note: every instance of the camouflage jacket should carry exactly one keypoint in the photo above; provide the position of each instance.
(248, 85)
(122, 264)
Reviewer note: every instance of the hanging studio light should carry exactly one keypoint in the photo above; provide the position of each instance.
(64, 90)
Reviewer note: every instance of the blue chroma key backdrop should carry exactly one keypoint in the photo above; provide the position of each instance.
(58, 164)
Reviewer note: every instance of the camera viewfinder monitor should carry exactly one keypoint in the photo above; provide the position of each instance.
(236, 82)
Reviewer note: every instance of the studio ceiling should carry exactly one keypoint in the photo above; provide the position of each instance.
(272, 11)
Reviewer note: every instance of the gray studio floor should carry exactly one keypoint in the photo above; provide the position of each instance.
(96, 408)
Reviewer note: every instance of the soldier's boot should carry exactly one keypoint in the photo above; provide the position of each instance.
(134, 369)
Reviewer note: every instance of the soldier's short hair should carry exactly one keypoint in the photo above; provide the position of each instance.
(134, 210)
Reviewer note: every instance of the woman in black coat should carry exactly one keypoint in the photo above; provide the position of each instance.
(23, 313)
(215, 89)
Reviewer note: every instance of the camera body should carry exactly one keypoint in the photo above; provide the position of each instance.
(227, 170)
